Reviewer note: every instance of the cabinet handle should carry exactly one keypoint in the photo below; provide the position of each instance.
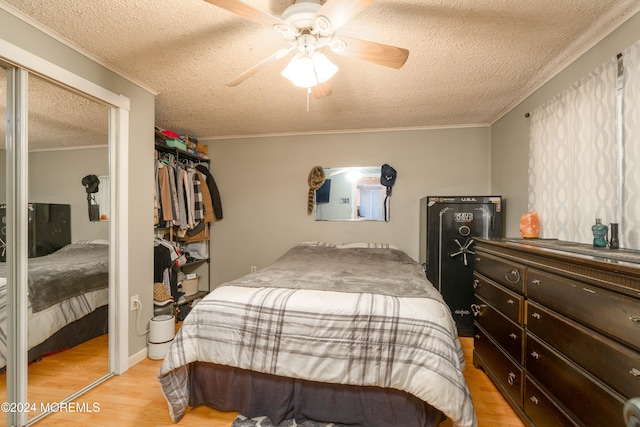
(536, 316)
(635, 372)
(475, 309)
(535, 282)
(535, 355)
(513, 273)
(534, 400)
(511, 378)
(635, 319)
(476, 283)
(510, 301)
(513, 335)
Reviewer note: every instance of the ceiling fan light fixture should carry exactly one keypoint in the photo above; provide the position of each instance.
(300, 71)
(325, 69)
(307, 71)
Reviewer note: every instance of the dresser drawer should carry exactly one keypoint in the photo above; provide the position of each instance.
(542, 409)
(506, 302)
(507, 372)
(509, 335)
(586, 398)
(611, 313)
(507, 273)
(611, 362)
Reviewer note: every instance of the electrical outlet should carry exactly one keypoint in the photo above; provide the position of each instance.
(253, 268)
(134, 302)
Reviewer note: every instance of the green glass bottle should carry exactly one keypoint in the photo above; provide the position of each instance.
(599, 234)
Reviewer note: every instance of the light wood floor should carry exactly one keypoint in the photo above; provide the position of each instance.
(135, 399)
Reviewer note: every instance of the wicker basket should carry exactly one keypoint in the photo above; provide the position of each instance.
(190, 286)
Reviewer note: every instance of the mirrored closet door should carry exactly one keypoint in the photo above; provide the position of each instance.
(68, 246)
(3, 240)
(54, 318)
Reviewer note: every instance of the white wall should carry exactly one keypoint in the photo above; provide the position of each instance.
(263, 186)
(510, 135)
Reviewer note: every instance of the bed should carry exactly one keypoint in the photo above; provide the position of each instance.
(68, 295)
(349, 334)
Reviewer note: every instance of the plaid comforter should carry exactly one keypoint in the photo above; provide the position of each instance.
(334, 336)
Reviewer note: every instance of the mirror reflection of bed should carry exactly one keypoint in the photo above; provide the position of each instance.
(68, 264)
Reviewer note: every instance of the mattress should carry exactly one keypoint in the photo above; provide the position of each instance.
(351, 315)
(63, 287)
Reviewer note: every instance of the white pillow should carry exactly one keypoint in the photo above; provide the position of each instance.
(92, 241)
(367, 245)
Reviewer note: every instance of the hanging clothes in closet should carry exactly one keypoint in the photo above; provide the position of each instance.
(165, 256)
(182, 197)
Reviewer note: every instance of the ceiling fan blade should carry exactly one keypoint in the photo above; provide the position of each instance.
(321, 90)
(259, 66)
(243, 9)
(377, 53)
(338, 12)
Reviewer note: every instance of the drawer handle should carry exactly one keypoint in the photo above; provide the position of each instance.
(635, 372)
(513, 335)
(635, 319)
(513, 273)
(535, 355)
(511, 378)
(535, 282)
(476, 283)
(534, 400)
(475, 309)
(510, 301)
(536, 316)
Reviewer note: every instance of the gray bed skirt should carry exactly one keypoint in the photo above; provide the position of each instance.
(279, 398)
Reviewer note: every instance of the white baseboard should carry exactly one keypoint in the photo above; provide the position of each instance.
(134, 359)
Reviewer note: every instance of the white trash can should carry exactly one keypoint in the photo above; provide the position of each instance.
(161, 333)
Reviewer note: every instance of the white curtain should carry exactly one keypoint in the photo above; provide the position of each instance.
(630, 224)
(572, 158)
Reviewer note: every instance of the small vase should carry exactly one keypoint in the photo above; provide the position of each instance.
(599, 234)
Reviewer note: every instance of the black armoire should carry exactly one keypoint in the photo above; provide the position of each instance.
(448, 225)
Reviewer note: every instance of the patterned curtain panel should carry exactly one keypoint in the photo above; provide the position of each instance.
(630, 224)
(572, 158)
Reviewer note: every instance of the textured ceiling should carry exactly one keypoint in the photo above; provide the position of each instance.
(470, 61)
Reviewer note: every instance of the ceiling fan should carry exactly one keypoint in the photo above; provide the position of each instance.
(309, 27)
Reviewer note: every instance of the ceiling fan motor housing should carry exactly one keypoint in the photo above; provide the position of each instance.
(302, 14)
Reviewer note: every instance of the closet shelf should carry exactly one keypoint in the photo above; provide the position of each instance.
(180, 153)
(190, 298)
(194, 263)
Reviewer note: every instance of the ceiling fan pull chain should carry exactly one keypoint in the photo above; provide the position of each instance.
(308, 95)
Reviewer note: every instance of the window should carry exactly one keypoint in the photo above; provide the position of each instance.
(583, 149)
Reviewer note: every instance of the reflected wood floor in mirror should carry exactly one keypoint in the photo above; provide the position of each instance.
(59, 375)
(135, 399)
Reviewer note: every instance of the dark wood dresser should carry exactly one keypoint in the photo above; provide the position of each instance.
(557, 329)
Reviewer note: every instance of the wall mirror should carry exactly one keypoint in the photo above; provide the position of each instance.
(66, 338)
(351, 194)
